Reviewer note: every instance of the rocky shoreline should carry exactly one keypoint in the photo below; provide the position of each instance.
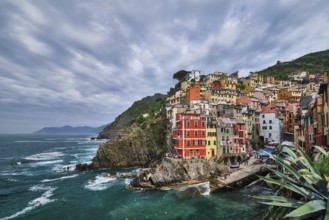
(176, 173)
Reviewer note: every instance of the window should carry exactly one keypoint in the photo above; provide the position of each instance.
(264, 127)
(270, 122)
(208, 143)
(203, 133)
(195, 133)
(270, 135)
(223, 138)
(195, 142)
(195, 124)
(214, 142)
(264, 122)
(188, 124)
(188, 133)
(263, 116)
(270, 128)
(203, 142)
(188, 143)
(191, 153)
(203, 124)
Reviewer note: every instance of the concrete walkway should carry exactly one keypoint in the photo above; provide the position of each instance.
(242, 176)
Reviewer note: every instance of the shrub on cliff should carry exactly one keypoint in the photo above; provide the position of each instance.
(149, 104)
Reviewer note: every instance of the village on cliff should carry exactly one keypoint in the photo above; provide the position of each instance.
(222, 116)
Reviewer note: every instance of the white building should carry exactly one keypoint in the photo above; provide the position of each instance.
(194, 74)
(270, 127)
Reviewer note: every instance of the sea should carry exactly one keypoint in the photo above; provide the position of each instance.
(38, 181)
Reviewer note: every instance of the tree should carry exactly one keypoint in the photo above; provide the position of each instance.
(180, 75)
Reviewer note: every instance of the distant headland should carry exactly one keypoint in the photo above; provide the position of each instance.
(70, 130)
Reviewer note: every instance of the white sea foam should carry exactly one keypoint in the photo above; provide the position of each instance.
(193, 190)
(45, 156)
(128, 181)
(30, 141)
(99, 183)
(20, 173)
(64, 168)
(61, 178)
(12, 180)
(44, 163)
(42, 200)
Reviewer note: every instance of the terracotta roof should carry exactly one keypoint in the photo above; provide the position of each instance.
(291, 106)
(245, 100)
(269, 109)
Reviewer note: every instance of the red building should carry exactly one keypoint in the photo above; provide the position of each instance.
(239, 137)
(214, 85)
(190, 135)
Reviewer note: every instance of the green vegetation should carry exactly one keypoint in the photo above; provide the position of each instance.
(300, 188)
(323, 166)
(317, 62)
(180, 75)
(149, 104)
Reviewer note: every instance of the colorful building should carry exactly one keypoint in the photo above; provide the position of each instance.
(290, 94)
(211, 138)
(189, 136)
(194, 92)
(231, 136)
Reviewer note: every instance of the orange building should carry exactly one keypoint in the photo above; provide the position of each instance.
(194, 92)
(190, 135)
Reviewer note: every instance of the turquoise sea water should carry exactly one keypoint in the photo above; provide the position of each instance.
(34, 186)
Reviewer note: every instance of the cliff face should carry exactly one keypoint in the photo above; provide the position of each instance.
(149, 104)
(137, 145)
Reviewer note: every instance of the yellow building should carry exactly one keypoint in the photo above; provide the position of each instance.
(290, 94)
(258, 78)
(211, 147)
(249, 83)
(215, 77)
(228, 83)
(229, 96)
(310, 87)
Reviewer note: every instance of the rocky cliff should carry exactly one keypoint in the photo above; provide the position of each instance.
(149, 104)
(139, 141)
(141, 145)
(173, 171)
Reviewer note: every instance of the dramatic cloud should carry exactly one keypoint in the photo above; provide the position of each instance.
(84, 62)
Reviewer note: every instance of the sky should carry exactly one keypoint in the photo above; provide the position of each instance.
(68, 62)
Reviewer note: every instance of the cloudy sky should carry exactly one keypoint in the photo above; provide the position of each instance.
(69, 62)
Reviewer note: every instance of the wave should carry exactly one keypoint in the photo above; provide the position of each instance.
(19, 173)
(100, 183)
(194, 190)
(23, 141)
(44, 163)
(45, 156)
(64, 168)
(61, 178)
(42, 200)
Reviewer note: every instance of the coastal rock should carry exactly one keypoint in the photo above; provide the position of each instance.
(175, 171)
(138, 147)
